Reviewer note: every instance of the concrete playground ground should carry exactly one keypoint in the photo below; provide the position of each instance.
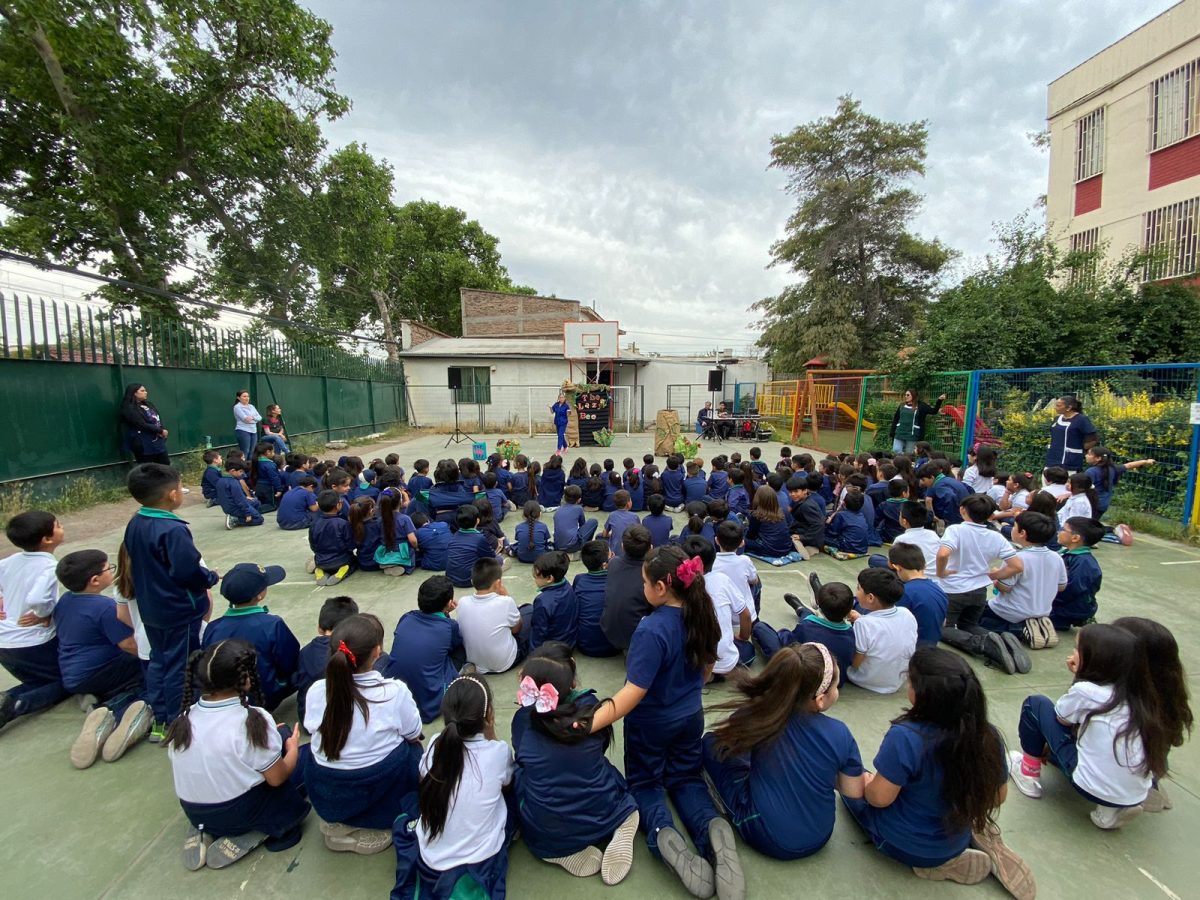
(115, 830)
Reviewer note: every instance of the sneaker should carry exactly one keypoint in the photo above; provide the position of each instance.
(618, 855)
(1029, 785)
(310, 566)
(195, 849)
(98, 725)
(582, 864)
(1157, 800)
(229, 520)
(363, 841)
(695, 872)
(87, 702)
(337, 576)
(1124, 534)
(1010, 870)
(814, 584)
(1110, 818)
(1039, 633)
(229, 850)
(320, 575)
(794, 602)
(184, 490)
(728, 878)
(969, 867)
(158, 733)
(996, 652)
(1020, 657)
(1048, 629)
(8, 708)
(132, 728)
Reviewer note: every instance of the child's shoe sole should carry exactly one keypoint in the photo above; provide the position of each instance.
(969, 867)
(997, 653)
(1020, 658)
(582, 864)
(1010, 870)
(134, 726)
(728, 878)
(618, 855)
(97, 727)
(228, 850)
(694, 872)
(195, 849)
(363, 841)
(1109, 819)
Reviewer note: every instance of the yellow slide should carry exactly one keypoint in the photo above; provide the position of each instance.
(854, 416)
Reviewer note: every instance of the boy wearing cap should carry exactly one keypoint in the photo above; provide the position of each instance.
(247, 619)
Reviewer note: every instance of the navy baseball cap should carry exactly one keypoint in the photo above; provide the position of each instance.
(245, 581)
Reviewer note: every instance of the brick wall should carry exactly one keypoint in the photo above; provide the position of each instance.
(493, 314)
(419, 334)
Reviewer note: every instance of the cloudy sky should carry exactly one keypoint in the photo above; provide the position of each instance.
(619, 149)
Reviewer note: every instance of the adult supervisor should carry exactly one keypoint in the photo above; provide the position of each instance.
(908, 422)
(144, 431)
(246, 419)
(1072, 434)
(562, 412)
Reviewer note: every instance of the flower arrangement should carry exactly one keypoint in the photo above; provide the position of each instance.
(686, 447)
(508, 448)
(604, 437)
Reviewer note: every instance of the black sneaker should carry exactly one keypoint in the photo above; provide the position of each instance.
(1020, 658)
(997, 653)
(8, 708)
(814, 582)
(794, 602)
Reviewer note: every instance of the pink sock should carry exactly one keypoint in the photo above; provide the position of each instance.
(1030, 765)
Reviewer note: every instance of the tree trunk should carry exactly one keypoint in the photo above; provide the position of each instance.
(385, 318)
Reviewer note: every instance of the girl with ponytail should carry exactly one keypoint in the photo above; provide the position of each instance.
(671, 656)
(235, 773)
(532, 537)
(397, 550)
(366, 735)
(939, 780)
(462, 822)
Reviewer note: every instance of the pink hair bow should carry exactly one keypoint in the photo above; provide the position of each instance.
(689, 569)
(543, 699)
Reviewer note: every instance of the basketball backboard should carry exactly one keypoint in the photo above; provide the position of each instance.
(591, 340)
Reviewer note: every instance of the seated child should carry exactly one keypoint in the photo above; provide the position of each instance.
(420, 480)
(264, 478)
(847, 535)
(612, 484)
(433, 542)
(738, 567)
(943, 495)
(1082, 501)
(495, 495)
(494, 631)
(298, 507)
(555, 609)
(887, 513)
(618, 520)
(427, 647)
(923, 597)
(212, 474)
(553, 481)
(1076, 604)
(738, 497)
(672, 483)
(232, 767)
(467, 546)
(519, 481)
(238, 508)
(310, 665)
(807, 514)
(777, 760)
(768, 535)
(733, 614)
(97, 655)
(656, 521)
(884, 638)
(964, 560)
(366, 742)
(245, 587)
(913, 518)
(589, 593)
(826, 625)
(757, 464)
(398, 545)
(636, 486)
(28, 643)
(572, 529)
(718, 481)
(488, 526)
(624, 596)
(331, 540)
(532, 537)
(1027, 584)
(1054, 482)
(367, 531)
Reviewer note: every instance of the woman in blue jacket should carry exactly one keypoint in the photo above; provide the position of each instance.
(145, 435)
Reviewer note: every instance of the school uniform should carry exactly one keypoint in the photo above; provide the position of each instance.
(672, 485)
(208, 483)
(555, 615)
(925, 599)
(637, 495)
(278, 650)
(88, 656)
(718, 485)
(826, 490)
(427, 652)
(972, 548)
(499, 502)
(847, 532)
(400, 552)
(925, 538)
(878, 492)
(785, 503)
(527, 551)
(219, 777)
(366, 785)
(912, 829)
(443, 501)
(738, 499)
(760, 469)
(779, 808)
(572, 529)
(947, 496)
(28, 584)
(291, 477)
(728, 604)
(768, 539)
(663, 732)
(332, 542)
(740, 570)
(1033, 591)
(467, 545)
(609, 503)
(295, 509)
(557, 783)
(868, 514)
(580, 483)
(418, 483)
(171, 584)
(1067, 439)
(887, 638)
(310, 668)
(1075, 505)
(519, 488)
(808, 521)
(235, 503)
(486, 622)
(1104, 491)
(433, 544)
(269, 484)
(618, 521)
(364, 549)
(624, 601)
(887, 519)
(838, 638)
(659, 528)
(1076, 604)
(589, 596)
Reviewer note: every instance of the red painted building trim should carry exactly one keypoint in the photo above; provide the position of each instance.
(1087, 194)
(1175, 163)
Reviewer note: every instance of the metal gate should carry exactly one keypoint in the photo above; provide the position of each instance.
(679, 398)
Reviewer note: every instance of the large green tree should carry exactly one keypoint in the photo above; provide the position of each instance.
(864, 276)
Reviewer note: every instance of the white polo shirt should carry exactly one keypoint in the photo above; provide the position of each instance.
(928, 540)
(1075, 505)
(972, 549)
(1034, 589)
(740, 570)
(27, 584)
(1112, 772)
(888, 638)
(474, 829)
(394, 718)
(728, 605)
(221, 764)
(486, 622)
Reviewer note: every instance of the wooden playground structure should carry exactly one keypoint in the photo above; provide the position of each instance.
(826, 400)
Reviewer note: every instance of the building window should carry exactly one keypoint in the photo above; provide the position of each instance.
(1170, 234)
(1174, 106)
(1083, 257)
(1089, 145)
(476, 385)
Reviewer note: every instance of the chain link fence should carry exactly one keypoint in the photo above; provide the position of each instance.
(882, 394)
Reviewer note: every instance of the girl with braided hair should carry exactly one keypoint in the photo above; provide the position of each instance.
(236, 775)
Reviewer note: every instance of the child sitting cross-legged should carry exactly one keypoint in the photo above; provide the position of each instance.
(733, 613)
(656, 521)
(807, 514)
(239, 508)
(427, 646)
(847, 535)
(433, 542)
(331, 540)
(468, 545)
(298, 507)
(555, 609)
(618, 520)
(366, 742)
(885, 637)
(310, 667)
(495, 633)
(234, 771)
(532, 537)
(563, 775)
(827, 625)
(768, 535)
(572, 529)
(964, 559)
(589, 594)
(212, 474)
(1076, 604)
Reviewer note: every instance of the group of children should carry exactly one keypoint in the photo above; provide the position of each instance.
(682, 606)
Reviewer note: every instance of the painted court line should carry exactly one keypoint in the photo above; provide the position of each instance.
(1182, 562)
(1158, 884)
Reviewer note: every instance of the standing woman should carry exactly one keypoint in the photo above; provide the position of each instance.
(1071, 435)
(561, 413)
(246, 419)
(144, 431)
(908, 422)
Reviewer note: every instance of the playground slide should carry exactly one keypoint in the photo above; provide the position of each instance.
(853, 416)
(983, 434)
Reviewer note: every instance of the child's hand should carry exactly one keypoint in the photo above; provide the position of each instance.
(29, 619)
(292, 744)
(854, 615)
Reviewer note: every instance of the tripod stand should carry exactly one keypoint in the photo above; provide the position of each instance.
(459, 435)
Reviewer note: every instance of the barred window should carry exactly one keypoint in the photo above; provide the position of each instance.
(1174, 106)
(1170, 233)
(1089, 145)
(1083, 270)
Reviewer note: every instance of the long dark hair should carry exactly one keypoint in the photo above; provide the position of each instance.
(124, 580)
(466, 708)
(785, 688)
(129, 402)
(261, 449)
(766, 505)
(533, 472)
(531, 511)
(1164, 676)
(361, 511)
(391, 500)
(1105, 466)
(230, 665)
(552, 663)
(985, 461)
(1109, 655)
(360, 634)
(579, 468)
(702, 633)
(1081, 483)
(967, 747)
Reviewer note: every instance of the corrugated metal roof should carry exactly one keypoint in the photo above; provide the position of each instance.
(549, 348)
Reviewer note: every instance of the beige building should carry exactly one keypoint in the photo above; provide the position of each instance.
(1125, 145)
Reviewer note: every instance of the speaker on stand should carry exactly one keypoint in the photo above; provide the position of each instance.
(454, 380)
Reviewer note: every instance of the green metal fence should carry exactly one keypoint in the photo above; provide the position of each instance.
(881, 394)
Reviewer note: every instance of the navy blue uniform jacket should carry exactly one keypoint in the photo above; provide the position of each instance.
(170, 581)
(331, 541)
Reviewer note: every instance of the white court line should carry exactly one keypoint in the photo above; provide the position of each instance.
(1158, 884)
(1182, 562)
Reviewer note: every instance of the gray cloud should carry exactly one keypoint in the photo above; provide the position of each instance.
(619, 150)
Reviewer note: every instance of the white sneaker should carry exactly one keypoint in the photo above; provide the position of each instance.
(98, 725)
(1026, 784)
(1110, 818)
(185, 490)
(134, 726)
(229, 523)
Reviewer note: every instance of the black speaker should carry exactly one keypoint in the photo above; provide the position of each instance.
(716, 379)
(454, 378)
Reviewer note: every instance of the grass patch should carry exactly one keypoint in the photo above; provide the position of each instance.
(78, 493)
(1148, 523)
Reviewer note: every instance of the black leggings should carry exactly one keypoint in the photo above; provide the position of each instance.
(152, 458)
